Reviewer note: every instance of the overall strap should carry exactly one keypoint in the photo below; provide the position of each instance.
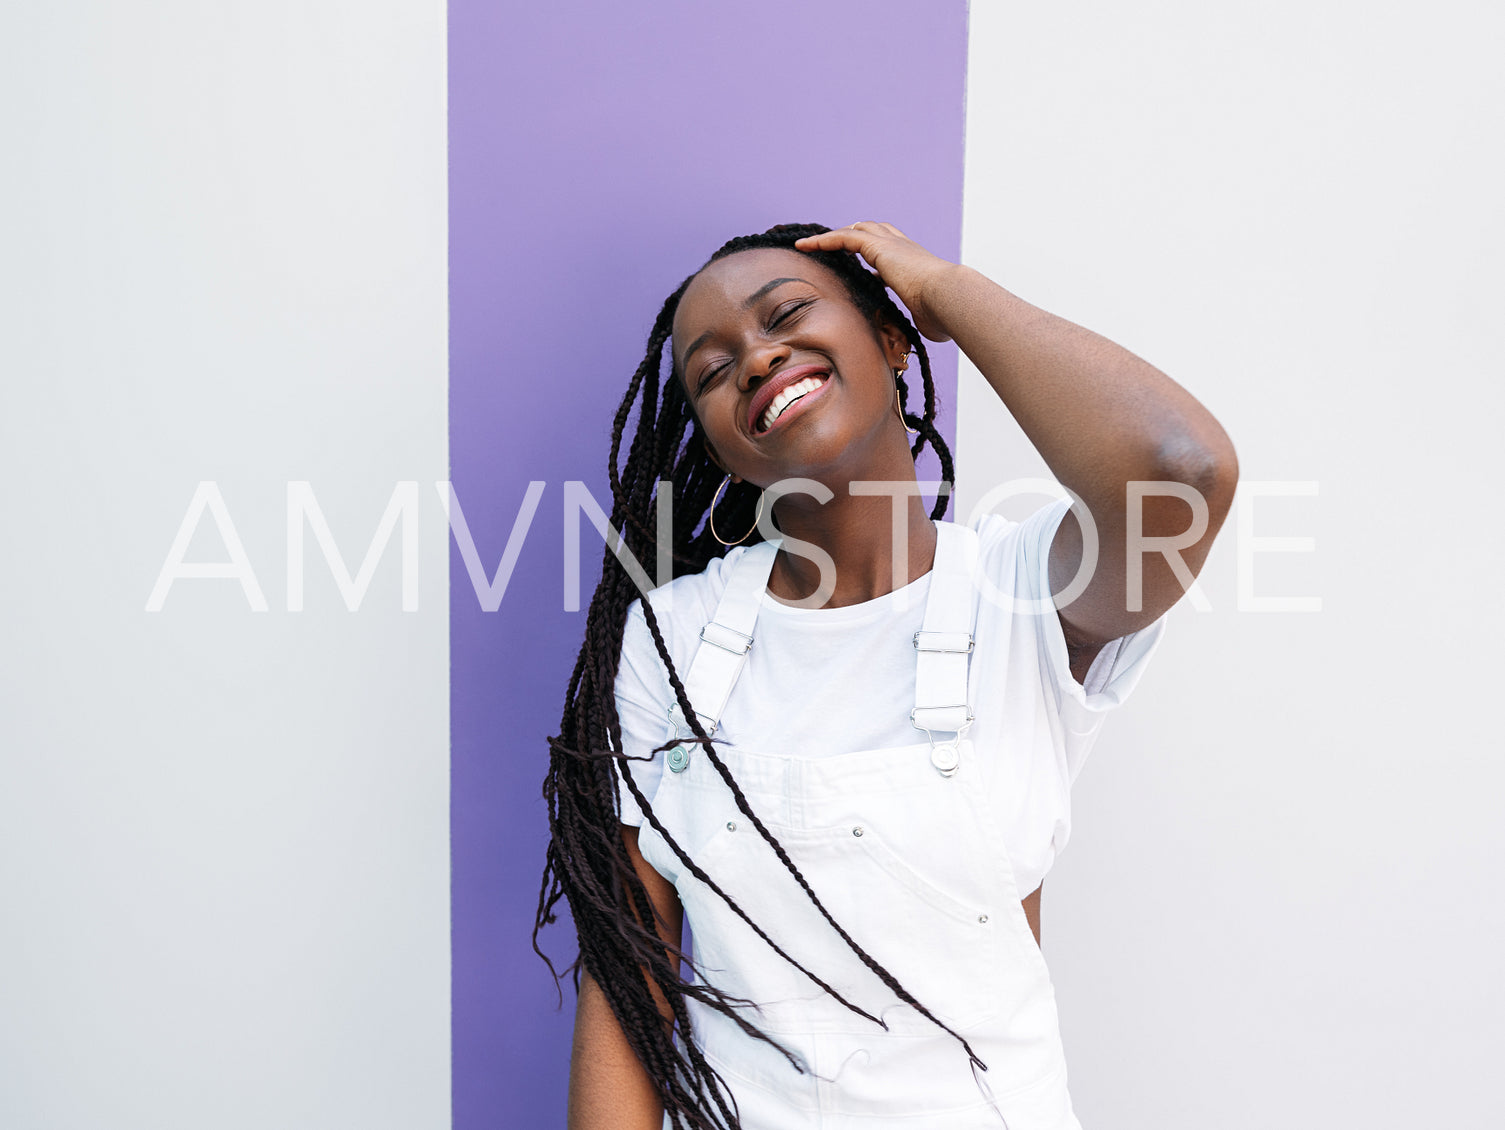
(726, 640)
(943, 645)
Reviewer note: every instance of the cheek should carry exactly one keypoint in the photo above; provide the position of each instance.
(714, 413)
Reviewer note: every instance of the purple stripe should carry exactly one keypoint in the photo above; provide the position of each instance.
(598, 153)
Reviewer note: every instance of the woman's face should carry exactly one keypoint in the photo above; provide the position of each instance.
(786, 376)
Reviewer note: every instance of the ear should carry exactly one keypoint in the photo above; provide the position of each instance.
(895, 343)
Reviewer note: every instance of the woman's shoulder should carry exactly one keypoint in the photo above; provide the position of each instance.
(685, 604)
(1011, 551)
(995, 529)
(991, 529)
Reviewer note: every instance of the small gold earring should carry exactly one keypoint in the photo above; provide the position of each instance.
(711, 514)
(899, 408)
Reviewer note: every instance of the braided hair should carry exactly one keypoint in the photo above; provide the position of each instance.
(587, 862)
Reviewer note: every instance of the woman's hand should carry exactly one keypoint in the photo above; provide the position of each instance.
(905, 267)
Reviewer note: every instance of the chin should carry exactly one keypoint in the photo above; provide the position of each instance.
(825, 456)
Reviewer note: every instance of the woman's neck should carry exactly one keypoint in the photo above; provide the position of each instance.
(876, 543)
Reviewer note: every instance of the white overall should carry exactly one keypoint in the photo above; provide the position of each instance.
(900, 846)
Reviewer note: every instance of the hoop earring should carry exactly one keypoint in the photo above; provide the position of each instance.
(899, 408)
(711, 514)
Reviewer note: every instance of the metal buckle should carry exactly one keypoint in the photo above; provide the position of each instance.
(678, 757)
(935, 647)
(682, 728)
(952, 706)
(945, 755)
(721, 643)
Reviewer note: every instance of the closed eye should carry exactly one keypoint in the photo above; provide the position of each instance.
(707, 377)
(784, 313)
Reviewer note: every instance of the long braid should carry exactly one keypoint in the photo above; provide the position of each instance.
(587, 862)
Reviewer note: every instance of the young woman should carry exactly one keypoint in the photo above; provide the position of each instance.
(839, 743)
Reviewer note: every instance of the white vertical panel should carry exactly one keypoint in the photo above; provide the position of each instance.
(1280, 904)
(223, 834)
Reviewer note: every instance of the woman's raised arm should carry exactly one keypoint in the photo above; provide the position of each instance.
(1101, 417)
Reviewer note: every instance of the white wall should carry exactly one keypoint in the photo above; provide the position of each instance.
(223, 834)
(1280, 906)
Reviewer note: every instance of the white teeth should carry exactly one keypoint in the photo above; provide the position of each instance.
(786, 397)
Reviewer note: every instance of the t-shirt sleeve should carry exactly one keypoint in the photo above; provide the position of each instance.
(1116, 670)
(642, 696)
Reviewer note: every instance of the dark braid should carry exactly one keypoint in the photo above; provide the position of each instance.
(587, 862)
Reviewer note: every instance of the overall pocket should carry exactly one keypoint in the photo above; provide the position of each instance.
(943, 949)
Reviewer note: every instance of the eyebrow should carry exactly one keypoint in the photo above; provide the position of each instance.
(752, 298)
(747, 303)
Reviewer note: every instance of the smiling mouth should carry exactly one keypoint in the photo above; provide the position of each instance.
(788, 398)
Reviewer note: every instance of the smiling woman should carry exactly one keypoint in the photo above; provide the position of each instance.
(858, 811)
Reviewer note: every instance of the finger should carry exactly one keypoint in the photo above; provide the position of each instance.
(840, 239)
(883, 228)
(865, 232)
(861, 231)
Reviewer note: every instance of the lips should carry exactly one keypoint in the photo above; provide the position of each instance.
(776, 384)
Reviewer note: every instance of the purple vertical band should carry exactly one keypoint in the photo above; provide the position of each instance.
(599, 152)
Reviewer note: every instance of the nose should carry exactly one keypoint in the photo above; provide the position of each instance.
(763, 359)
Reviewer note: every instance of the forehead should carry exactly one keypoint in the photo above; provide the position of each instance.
(722, 287)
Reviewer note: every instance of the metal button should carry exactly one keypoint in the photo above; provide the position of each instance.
(857, 831)
(731, 825)
(983, 918)
(679, 757)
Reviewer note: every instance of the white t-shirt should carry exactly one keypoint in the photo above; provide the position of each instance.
(835, 680)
